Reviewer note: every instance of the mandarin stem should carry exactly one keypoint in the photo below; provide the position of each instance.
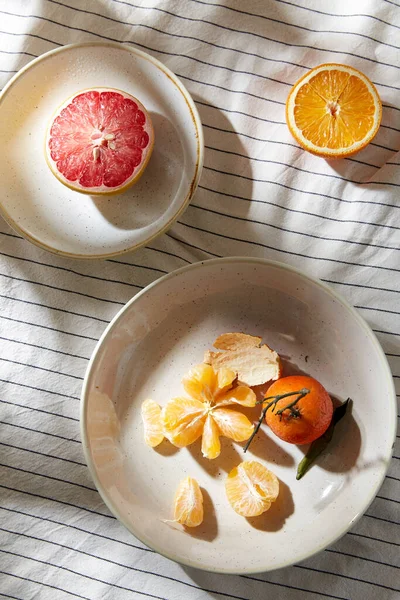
(300, 393)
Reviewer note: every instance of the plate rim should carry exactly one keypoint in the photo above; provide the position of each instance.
(349, 522)
(199, 151)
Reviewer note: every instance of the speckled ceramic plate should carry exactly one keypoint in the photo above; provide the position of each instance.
(158, 336)
(66, 222)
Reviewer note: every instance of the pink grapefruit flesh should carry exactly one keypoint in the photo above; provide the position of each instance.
(99, 141)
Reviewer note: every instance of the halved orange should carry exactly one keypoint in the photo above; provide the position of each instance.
(333, 111)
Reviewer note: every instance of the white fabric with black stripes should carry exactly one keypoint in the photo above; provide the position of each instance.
(259, 195)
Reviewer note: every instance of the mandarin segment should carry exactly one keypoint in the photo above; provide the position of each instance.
(200, 382)
(251, 488)
(183, 420)
(188, 503)
(241, 394)
(153, 427)
(210, 443)
(233, 424)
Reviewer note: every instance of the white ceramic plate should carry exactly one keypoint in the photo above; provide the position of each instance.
(46, 212)
(153, 342)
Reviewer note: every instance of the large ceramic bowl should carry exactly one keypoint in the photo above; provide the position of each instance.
(156, 338)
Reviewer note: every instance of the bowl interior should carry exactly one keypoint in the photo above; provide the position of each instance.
(159, 336)
(68, 222)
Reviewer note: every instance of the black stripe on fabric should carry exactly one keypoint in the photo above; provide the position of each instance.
(382, 518)
(68, 460)
(120, 262)
(300, 233)
(8, 595)
(193, 246)
(287, 165)
(38, 389)
(19, 52)
(258, 36)
(89, 510)
(16, 362)
(85, 531)
(319, 258)
(6, 71)
(85, 337)
(386, 332)
(358, 285)
(55, 435)
(390, 107)
(320, 12)
(286, 23)
(43, 348)
(377, 562)
(388, 500)
(85, 487)
(169, 254)
(393, 3)
(46, 412)
(53, 287)
(6, 233)
(392, 312)
(294, 210)
(292, 587)
(49, 564)
(253, 179)
(375, 539)
(391, 476)
(63, 310)
(53, 587)
(36, 262)
(380, 585)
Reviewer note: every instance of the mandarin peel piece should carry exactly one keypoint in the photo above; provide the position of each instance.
(253, 363)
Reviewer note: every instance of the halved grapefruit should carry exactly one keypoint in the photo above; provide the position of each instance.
(99, 141)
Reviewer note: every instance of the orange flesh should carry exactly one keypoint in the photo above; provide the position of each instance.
(334, 109)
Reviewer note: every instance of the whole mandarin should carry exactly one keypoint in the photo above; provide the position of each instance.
(311, 415)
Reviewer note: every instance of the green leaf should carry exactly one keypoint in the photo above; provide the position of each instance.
(320, 444)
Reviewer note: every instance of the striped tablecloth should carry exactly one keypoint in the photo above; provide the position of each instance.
(259, 195)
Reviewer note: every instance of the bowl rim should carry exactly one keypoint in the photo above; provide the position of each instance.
(199, 146)
(226, 260)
